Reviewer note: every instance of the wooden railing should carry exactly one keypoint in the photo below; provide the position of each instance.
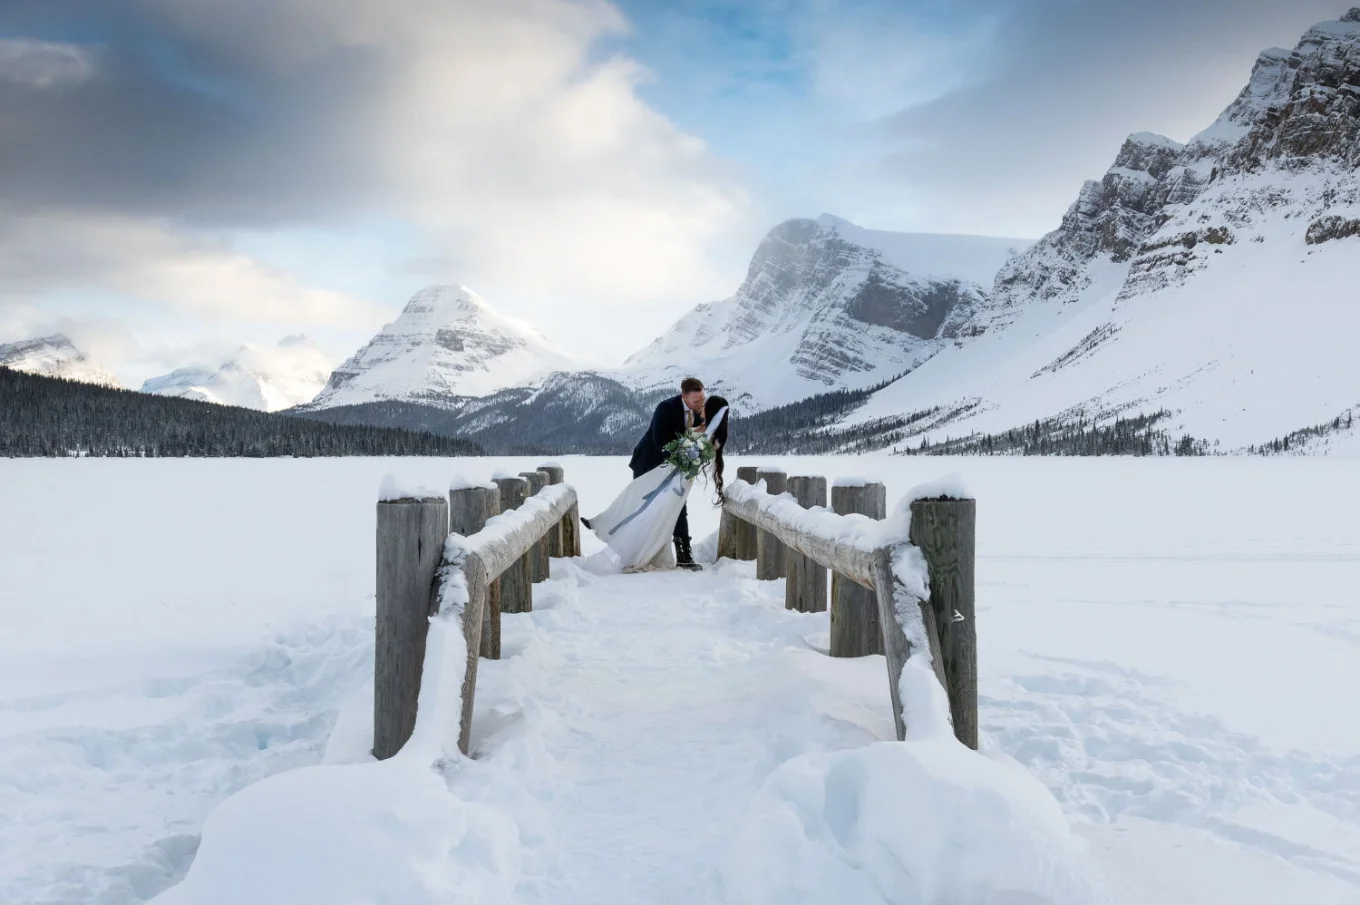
(469, 557)
(907, 593)
(876, 603)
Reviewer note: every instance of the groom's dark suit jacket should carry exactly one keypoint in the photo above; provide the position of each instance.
(667, 421)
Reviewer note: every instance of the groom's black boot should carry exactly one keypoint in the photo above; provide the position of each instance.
(684, 556)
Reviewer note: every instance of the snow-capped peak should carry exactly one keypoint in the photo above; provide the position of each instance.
(267, 378)
(1268, 87)
(447, 343)
(55, 356)
(447, 303)
(827, 305)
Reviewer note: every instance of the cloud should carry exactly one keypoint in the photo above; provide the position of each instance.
(44, 64)
(139, 258)
(1063, 85)
(503, 131)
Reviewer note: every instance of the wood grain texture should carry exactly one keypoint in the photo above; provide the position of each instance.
(473, 618)
(855, 629)
(500, 548)
(571, 532)
(469, 511)
(483, 557)
(944, 530)
(737, 539)
(771, 554)
(557, 540)
(805, 589)
(839, 556)
(896, 640)
(516, 586)
(410, 543)
(744, 533)
(538, 556)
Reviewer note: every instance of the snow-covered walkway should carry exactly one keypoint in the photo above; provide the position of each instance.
(1177, 685)
(655, 705)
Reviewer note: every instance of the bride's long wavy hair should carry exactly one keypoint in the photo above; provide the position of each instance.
(712, 406)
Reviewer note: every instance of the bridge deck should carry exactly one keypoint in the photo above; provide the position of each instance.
(653, 706)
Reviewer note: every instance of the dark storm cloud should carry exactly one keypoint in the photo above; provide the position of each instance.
(1066, 82)
(167, 125)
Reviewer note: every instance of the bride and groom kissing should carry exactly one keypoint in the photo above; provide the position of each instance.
(685, 431)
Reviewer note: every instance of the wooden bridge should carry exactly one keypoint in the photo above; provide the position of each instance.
(895, 586)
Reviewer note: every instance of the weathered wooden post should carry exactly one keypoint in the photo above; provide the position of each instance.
(771, 554)
(410, 543)
(805, 590)
(538, 556)
(737, 539)
(944, 530)
(557, 546)
(855, 630)
(470, 508)
(516, 588)
(571, 531)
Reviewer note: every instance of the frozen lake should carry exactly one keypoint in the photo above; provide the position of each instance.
(1171, 646)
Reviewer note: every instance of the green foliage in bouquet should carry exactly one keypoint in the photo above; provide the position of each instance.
(690, 454)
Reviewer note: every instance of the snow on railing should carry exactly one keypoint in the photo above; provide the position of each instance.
(439, 601)
(916, 564)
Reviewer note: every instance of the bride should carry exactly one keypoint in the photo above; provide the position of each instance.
(638, 525)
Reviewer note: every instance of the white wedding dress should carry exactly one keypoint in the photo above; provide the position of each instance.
(638, 525)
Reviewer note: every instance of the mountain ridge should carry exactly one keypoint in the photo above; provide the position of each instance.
(265, 378)
(447, 343)
(55, 356)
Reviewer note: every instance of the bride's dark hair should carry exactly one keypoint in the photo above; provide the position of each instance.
(712, 406)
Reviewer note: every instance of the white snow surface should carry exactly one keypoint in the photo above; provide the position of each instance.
(462, 481)
(265, 378)
(1155, 691)
(394, 489)
(951, 485)
(448, 342)
(55, 356)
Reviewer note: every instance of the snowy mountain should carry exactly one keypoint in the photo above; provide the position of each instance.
(448, 343)
(55, 356)
(1198, 296)
(827, 305)
(1209, 285)
(266, 378)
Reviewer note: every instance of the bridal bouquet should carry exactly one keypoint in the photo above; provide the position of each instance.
(690, 453)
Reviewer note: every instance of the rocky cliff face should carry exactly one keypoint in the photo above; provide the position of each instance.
(1108, 222)
(1208, 286)
(817, 311)
(1302, 108)
(448, 343)
(55, 356)
(1299, 113)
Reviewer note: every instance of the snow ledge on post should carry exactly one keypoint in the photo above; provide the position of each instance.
(855, 482)
(949, 487)
(395, 490)
(463, 482)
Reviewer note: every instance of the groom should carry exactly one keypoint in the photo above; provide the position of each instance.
(672, 417)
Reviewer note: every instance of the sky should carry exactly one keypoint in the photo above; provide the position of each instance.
(179, 177)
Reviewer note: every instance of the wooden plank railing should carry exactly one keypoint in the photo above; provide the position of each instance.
(934, 621)
(424, 571)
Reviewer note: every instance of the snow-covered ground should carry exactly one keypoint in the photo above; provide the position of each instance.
(1170, 646)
